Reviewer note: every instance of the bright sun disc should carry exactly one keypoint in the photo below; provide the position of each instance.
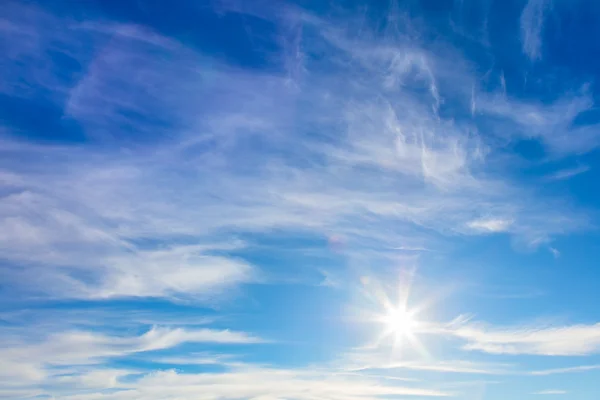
(400, 322)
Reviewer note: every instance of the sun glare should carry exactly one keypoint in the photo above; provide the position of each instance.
(400, 322)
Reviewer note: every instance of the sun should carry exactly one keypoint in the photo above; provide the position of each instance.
(400, 322)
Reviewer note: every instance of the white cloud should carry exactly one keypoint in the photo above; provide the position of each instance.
(99, 379)
(264, 383)
(384, 358)
(99, 316)
(551, 122)
(454, 366)
(373, 161)
(22, 372)
(490, 224)
(183, 269)
(197, 359)
(183, 153)
(550, 392)
(569, 340)
(568, 173)
(579, 368)
(160, 338)
(78, 364)
(29, 361)
(532, 25)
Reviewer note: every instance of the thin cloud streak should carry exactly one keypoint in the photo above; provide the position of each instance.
(552, 123)
(380, 359)
(569, 340)
(568, 173)
(567, 370)
(532, 27)
(491, 225)
(550, 392)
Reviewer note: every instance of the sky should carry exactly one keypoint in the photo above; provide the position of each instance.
(299, 200)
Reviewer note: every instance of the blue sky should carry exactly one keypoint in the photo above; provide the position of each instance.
(299, 200)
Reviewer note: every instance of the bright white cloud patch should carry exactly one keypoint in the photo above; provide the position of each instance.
(491, 224)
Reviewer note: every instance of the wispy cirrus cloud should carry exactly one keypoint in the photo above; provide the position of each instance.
(255, 382)
(490, 224)
(532, 27)
(443, 366)
(567, 370)
(295, 149)
(72, 344)
(380, 356)
(161, 164)
(553, 123)
(568, 173)
(551, 392)
(568, 340)
(34, 360)
(66, 362)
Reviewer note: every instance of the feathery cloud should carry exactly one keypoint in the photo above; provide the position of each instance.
(568, 173)
(30, 361)
(579, 368)
(532, 27)
(490, 224)
(551, 392)
(256, 382)
(67, 362)
(569, 340)
(261, 155)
